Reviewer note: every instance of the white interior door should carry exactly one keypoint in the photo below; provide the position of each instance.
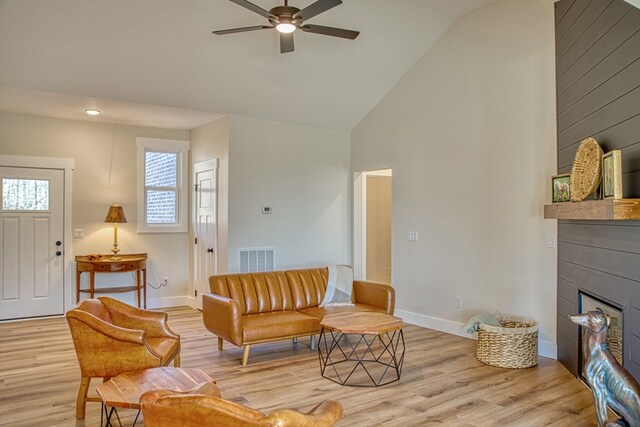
(31, 242)
(204, 226)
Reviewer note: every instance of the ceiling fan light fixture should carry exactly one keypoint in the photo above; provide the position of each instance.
(285, 27)
(286, 19)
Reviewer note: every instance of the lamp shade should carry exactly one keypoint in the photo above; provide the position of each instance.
(116, 214)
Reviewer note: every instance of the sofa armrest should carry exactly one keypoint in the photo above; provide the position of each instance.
(223, 317)
(325, 414)
(381, 295)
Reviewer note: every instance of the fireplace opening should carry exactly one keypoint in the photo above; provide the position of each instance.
(614, 334)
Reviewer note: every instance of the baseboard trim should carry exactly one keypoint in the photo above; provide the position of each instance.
(545, 348)
(165, 302)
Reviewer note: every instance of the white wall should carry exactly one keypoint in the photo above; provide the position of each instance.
(470, 135)
(303, 173)
(211, 141)
(105, 172)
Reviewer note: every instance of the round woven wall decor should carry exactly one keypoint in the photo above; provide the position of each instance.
(587, 170)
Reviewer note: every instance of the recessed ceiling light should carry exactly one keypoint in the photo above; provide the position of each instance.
(93, 112)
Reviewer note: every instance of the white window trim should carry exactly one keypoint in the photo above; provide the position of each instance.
(168, 146)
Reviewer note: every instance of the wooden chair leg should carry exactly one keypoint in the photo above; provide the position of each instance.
(81, 402)
(245, 355)
(220, 343)
(176, 361)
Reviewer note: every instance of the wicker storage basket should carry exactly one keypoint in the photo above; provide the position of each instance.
(514, 345)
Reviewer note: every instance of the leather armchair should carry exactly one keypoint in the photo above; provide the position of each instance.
(166, 408)
(111, 337)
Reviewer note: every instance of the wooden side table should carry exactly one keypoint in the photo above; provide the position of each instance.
(361, 349)
(124, 391)
(104, 264)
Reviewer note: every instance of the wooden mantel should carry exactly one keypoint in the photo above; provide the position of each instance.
(609, 209)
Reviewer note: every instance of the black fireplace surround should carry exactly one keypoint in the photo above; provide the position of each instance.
(598, 95)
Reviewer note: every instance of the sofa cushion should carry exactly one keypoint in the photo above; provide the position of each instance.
(307, 286)
(277, 324)
(255, 292)
(167, 348)
(320, 312)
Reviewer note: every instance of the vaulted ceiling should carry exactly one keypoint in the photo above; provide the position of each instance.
(146, 61)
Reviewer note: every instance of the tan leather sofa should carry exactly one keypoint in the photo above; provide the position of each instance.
(246, 309)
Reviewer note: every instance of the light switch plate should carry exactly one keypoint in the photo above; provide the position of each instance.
(78, 233)
(412, 236)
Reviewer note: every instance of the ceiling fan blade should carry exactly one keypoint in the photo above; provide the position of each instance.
(241, 30)
(330, 31)
(286, 42)
(316, 8)
(252, 7)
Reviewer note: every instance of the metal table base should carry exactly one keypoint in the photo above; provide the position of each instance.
(361, 360)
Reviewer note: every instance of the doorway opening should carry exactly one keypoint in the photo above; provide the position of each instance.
(372, 225)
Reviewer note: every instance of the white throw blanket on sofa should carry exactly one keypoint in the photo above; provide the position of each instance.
(339, 285)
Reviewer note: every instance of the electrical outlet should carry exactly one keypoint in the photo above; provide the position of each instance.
(458, 302)
(78, 233)
(551, 241)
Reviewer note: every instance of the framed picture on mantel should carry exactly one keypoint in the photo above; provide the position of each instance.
(612, 175)
(560, 188)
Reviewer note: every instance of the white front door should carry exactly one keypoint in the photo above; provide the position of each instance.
(31, 242)
(204, 227)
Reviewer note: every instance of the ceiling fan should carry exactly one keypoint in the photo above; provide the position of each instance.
(286, 19)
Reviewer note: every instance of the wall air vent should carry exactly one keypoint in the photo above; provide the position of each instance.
(254, 260)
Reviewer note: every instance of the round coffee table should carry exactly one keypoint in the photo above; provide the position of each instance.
(124, 391)
(362, 349)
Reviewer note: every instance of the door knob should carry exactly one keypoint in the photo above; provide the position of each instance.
(210, 250)
(58, 253)
(58, 243)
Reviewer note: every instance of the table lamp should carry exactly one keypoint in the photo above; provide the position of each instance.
(115, 216)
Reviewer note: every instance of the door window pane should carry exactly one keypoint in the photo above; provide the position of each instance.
(25, 194)
(161, 207)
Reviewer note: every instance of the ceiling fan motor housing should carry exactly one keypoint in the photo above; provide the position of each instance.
(285, 15)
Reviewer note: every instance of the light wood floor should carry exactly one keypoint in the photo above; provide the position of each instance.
(442, 382)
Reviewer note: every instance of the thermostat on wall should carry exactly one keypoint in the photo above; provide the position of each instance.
(267, 209)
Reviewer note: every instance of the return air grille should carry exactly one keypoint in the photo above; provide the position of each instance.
(254, 260)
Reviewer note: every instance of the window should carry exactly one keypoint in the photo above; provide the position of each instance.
(25, 194)
(162, 185)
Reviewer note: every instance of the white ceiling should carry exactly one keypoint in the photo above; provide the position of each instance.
(636, 3)
(144, 61)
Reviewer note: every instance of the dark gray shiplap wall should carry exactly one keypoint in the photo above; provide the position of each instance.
(598, 88)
